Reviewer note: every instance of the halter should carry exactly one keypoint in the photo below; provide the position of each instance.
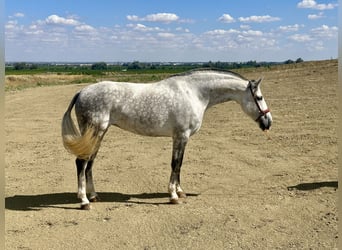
(261, 111)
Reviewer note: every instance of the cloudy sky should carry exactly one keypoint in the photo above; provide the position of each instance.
(165, 30)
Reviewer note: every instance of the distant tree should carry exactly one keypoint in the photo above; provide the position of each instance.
(208, 65)
(299, 60)
(251, 63)
(33, 66)
(20, 66)
(289, 61)
(135, 65)
(99, 66)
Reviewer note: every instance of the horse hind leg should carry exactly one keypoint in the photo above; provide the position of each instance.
(85, 182)
(93, 196)
(180, 192)
(81, 166)
(85, 177)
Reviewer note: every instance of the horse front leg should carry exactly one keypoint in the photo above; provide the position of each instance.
(175, 190)
(81, 166)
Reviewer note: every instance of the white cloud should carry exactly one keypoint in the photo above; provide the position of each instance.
(33, 30)
(316, 35)
(258, 19)
(54, 19)
(66, 37)
(216, 32)
(133, 18)
(220, 32)
(290, 28)
(181, 29)
(84, 28)
(316, 46)
(166, 35)
(316, 16)
(142, 27)
(10, 25)
(245, 26)
(19, 14)
(312, 4)
(301, 38)
(226, 18)
(325, 31)
(252, 33)
(158, 17)
(162, 17)
(308, 4)
(234, 40)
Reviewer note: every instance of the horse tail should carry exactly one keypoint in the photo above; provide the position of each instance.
(81, 145)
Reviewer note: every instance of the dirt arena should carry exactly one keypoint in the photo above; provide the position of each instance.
(245, 191)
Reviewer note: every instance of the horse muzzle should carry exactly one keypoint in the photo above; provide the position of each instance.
(265, 121)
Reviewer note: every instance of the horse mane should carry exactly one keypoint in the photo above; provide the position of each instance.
(223, 71)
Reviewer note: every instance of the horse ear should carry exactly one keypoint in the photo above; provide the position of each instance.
(257, 83)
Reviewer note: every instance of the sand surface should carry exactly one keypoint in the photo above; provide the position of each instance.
(245, 191)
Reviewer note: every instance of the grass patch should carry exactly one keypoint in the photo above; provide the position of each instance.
(39, 77)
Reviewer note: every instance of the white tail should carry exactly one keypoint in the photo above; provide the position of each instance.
(83, 146)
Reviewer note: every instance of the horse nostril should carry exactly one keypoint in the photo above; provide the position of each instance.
(264, 122)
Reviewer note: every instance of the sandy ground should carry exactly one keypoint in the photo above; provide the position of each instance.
(244, 190)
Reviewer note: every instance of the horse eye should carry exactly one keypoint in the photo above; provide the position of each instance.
(259, 98)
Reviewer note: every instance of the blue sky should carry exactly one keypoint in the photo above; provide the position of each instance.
(165, 30)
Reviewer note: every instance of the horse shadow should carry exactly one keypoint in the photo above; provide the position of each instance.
(63, 200)
(314, 185)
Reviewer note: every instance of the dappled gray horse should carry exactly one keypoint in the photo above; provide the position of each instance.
(173, 107)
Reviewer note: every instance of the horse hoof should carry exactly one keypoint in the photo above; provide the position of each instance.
(181, 195)
(85, 207)
(175, 201)
(95, 199)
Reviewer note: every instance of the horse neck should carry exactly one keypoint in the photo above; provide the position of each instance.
(221, 89)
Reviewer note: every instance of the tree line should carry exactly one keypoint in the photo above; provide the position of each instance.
(136, 65)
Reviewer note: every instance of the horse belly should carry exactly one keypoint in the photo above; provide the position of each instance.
(141, 122)
(144, 127)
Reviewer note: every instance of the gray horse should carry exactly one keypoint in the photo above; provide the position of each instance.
(173, 107)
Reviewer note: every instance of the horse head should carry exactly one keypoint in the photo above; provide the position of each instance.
(254, 105)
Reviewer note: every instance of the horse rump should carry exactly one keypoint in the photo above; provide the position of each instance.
(81, 145)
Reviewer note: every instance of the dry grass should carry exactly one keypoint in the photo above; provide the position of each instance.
(17, 82)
